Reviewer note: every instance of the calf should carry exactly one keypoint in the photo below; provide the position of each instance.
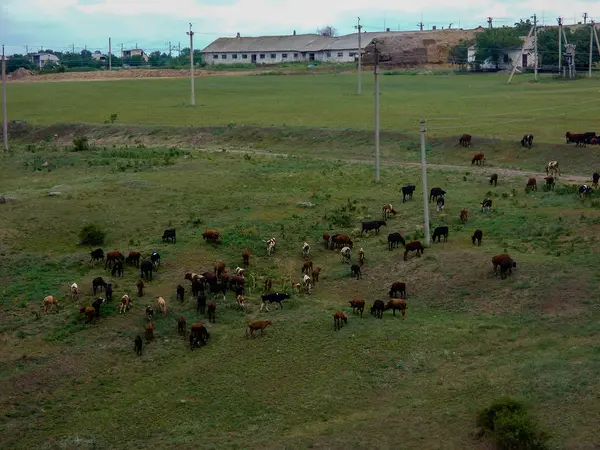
(271, 243)
(96, 305)
(346, 254)
(155, 259)
(117, 269)
(464, 215)
(246, 257)
(257, 325)
(181, 325)
(201, 303)
(372, 225)
(98, 283)
(180, 293)
(109, 292)
(436, 192)
(125, 304)
(549, 182)
(527, 140)
(477, 236)
(273, 298)
(198, 335)
(440, 203)
(315, 274)
(133, 258)
(377, 308)
(407, 192)
(584, 190)
(478, 158)
(506, 266)
(497, 261)
(50, 302)
(494, 179)
(140, 288)
(74, 290)
(149, 313)
(398, 288)
(138, 345)
(89, 312)
(169, 235)
(465, 140)
(326, 237)
(412, 247)
(397, 304)
(305, 250)
(113, 257)
(211, 309)
(387, 211)
(355, 271)
(595, 178)
(210, 235)
(486, 205)
(361, 257)
(96, 255)
(307, 283)
(358, 305)
(149, 332)
(307, 267)
(339, 319)
(439, 232)
(394, 239)
(161, 305)
(146, 268)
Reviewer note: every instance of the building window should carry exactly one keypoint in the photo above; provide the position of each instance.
(244, 56)
(284, 55)
(340, 54)
(223, 56)
(234, 56)
(295, 55)
(273, 56)
(262, 56)
(215, 56)
(505, 58)
(351, 54)
(329, 54)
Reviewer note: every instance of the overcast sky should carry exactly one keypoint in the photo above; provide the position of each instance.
(151, 24)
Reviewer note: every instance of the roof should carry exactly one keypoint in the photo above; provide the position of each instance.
(528, 45)
(134, 50)
(298, 43)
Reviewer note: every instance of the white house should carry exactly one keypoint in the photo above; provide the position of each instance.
(98, 56)
(510, 57)
(41, 59)
(134, 52)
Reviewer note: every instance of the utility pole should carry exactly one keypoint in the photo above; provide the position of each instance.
(520, 57)
(596, 36)
(121, 50)
(179, 49)
(109, 54)
(4, 115)
(421, 25)
(585, 16)
(535, 43)
(359, 28)
(489, 21)
(376, 50)
(424, 181)
(191, 35)
(559, 45)
(73, 47)
(591, 47)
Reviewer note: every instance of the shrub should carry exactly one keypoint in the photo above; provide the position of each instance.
(80, 144)
(91, 234)
(508, 423)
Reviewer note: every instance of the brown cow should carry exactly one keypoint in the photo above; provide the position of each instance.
(398, 288)
(133, 258)
(494, 179)
(465, 140)
(181, 325)
(531, 184)
(339, 319)
(397, 304)
(497, 260)
(478, 158)
(211, 309)
(210, 235)
(315, 274)
(326, 237)
(112, 257)
(125, 304)
(464, 215)
(198, 335)
(50, 302)
(149, 332)
(413, 246)
(89, 311)
(219, 268)
(246, 257)
(140, 288)
(358, 305)
(307, 267)
(257, 325)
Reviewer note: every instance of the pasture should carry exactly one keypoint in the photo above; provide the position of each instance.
(468, 337)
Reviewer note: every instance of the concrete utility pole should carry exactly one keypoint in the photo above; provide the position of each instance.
(109, 54)
(424, 182)
(359, 27)
(535, 43)
(489, 21)
(4, 114)
(591, 48)
(559, 45)
(421, 25)
(193, 95)
(520, 57)
(585, 16)
(596, 36)
(376, 50)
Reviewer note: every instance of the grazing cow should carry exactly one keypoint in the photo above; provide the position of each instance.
(315, 274)
(549, 182)
(407, 192)
(486, 205)
(436, 192)
(140, 288)
(146, 268)
(180, 292)
(439, 232)
(241, 302)
(307, 284)
(133, 258)
(398, 288)
(97, 255)
(257, 325)
(339, 319)
(387, 211)
(198, 335)
(531, 184)
(211, 309)
(219, 288)
(464, 215)
(397, 304)
(394, 239)
(361, 257)
(246, 257)
(161, 304)
(477, 236)
(271, 243)
(268, 285)
(579, 139)
(155, 258)
(117, 269)
(478, 158)
(138, 345)
(239, 271)
(181, 325)
(494, 179)
(307, 267)
(74, 290)
(465, 140)
(219, 269)
(89, 312)
(210, 235)
(372, 225)
(273, 298)
(125, 304)
(305, 250)
(358, 306)
(201, 303)
(413, 246)
(50, 302)
(506, 266)
(552, 168)
(109, 292)
(440, 203)
(149, 332)
(355, 271)
(595, 178)
(191, 276)
(237, 284)
(497, 261)
(169, 235)
(197, 286)
(96, 305)
(98, 283)
(584, 190)
(588, 136)
(113, 257)
(341, 240)
(346, 254)
(527, 140)
(377, 308)
(149, 313)
(326, 237)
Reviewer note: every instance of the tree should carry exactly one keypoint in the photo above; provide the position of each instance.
(15, 62)
(459, 54)
(523, 27)
(491, 44)
(328, 31)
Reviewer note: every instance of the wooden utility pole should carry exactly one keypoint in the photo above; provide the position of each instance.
(585, 16)
(535, 46)
(4, 100)
(424, 183)
(109, 54)
(596, 36)
(193, 93)
(359, 28)
(559, 46)
(591, 48)
(520, 57)
(376, 50)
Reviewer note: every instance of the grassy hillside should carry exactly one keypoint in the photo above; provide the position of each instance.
(468, 337)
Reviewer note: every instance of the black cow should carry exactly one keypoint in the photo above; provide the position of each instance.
(146, 268)
(378, 308)
(527, 140)
(97, 255)
(436, 192)
(439, 232)
(198, 336)
(373, 225)
(155, 258)
(201, 303)
(138, 345)
(219, 287)
(197, 286)
(108, 292)
(477, 236)
(584, 190)
(117, 269)
(96, 305)
(98, 283)
(589, 136)
(275, 297)
(595, 178)
(486, 204)
(506, 266)
(394, 239)
(407, 191)
(440, 203)
(169, 235)
(180, 292)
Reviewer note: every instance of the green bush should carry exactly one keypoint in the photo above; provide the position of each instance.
(508, 423)
(80, 144)
(91, 234)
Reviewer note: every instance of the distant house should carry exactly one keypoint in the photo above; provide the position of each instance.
(510, 57)
(98, 56)
(41, 59)
(135, 52)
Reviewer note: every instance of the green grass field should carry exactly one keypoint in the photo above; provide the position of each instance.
(468, 337)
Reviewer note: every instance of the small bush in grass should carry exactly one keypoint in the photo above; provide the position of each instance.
(91, 234)
(80, 144)
(508, 423)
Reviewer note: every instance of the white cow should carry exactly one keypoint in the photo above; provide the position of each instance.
(346, 254)
(74, 291)
(307, 283)
(271, 246)
(305, 250)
